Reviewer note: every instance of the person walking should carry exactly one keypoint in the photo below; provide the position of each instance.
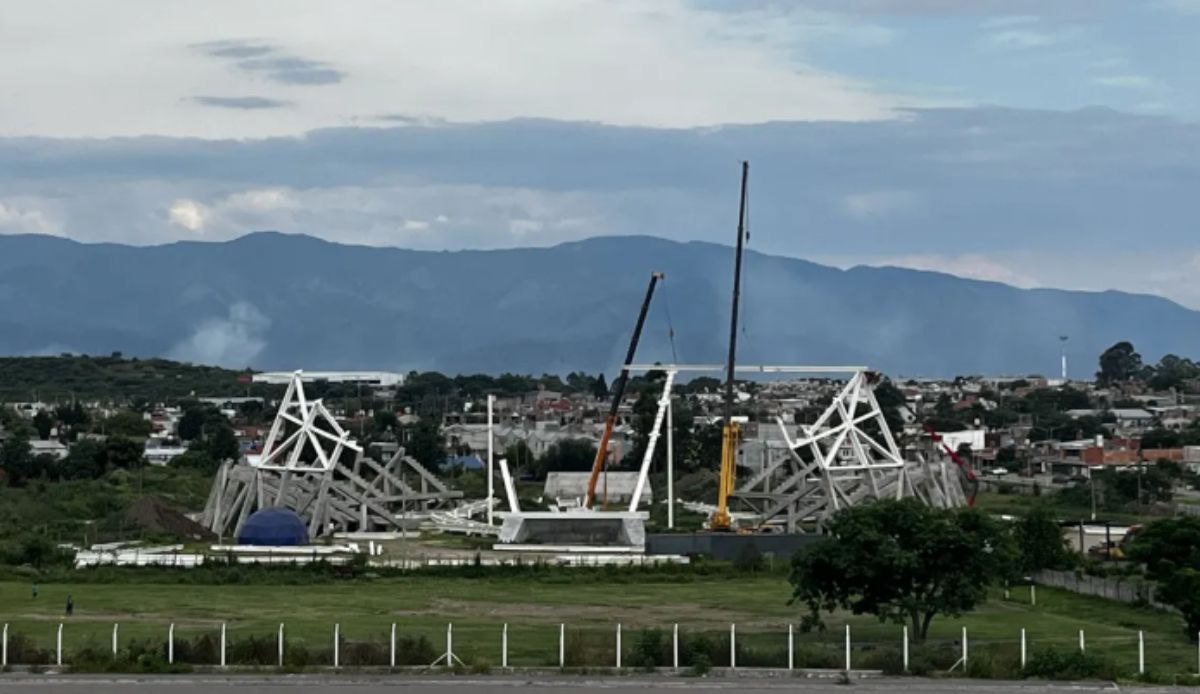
(70, 606)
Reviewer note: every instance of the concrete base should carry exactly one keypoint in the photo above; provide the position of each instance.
(581, 528)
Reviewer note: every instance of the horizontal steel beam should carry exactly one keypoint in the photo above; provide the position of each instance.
(749, 368)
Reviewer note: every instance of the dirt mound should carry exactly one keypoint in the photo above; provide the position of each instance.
(155, 516)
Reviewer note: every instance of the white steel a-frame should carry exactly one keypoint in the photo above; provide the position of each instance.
(302, 424)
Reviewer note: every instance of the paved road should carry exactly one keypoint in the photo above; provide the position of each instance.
(89, 684)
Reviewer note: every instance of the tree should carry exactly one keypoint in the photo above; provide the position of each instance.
(901, 561)
(221, 444)
(426, 444)
(1119, 364)
(1039, 541)
(16, 458)
(600, 388)
(85, 461)
(123, 453)
(1168, 545)
(197, 459)
(569, 455)
(1160, 438)
(191, 424)
(126, 424)
(519, 456)
(43, 423)
(1181, 590)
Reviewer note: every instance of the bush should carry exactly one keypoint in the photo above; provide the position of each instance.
(1072, 665)
(651, 650)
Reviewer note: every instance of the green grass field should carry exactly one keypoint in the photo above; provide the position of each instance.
(534, 608)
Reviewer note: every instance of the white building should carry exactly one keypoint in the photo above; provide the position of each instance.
(374, 379)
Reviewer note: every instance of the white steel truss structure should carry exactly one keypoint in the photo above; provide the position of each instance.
(846, 457)
(310, 464)
(304, 437)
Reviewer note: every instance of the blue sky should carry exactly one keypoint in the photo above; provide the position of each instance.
(1034, 143)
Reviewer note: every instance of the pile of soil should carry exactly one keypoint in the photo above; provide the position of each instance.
(155, 517)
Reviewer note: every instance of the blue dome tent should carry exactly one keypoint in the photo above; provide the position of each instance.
(274, 527)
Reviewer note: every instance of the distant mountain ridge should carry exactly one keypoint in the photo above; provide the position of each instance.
(276, 301)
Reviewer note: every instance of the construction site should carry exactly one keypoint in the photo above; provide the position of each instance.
(774, 489)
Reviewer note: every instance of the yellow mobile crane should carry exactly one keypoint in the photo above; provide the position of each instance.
(731, 433)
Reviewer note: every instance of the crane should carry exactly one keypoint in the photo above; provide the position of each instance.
(731, 433)
(618, 389)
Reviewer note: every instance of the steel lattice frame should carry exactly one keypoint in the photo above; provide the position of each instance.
(325, 488)
(847, 457)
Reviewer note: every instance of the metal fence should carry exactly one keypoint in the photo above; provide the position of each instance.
(1127, 590)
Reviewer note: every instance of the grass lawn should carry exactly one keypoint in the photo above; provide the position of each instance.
(533, 609)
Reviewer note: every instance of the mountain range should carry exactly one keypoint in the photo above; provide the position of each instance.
(275, 301)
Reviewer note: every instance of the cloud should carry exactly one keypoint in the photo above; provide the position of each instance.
(188, 214)
(1010, 21)
(879, 204)
(1125, 81)
(233, 340)
(971, 265)
(1180, 6)
(1025, 39)
(460, 61)
(248, 103)
(18, 218)
(233, 48)
(272, 62)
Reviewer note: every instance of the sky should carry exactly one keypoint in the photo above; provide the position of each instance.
(1033, 143)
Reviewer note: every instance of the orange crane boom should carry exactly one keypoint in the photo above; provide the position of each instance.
(619, 392)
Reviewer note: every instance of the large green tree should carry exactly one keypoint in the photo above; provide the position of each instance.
(1039, 541)
(1170, 551)
(425, 442)
(1118, 364)
(903, 562)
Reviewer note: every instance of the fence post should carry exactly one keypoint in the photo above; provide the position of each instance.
(618, 645)
(562, 645)
(1033, 594)
(1082, 644)
(4, 647)
(732, 646)
(450, 644)
(847, 650)
(1141, 653)
(337, 644)
(58, 646)
(675, 647)
(222, 644)
(504, 647)
(115, 640)
(280, 643)
(964, 648)
(904, 650)
(392, 653)
(171, 644)
(1022, 648)
(791, 648)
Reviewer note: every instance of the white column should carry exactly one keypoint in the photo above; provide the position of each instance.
(618, 645)
(279, 641)
(392, 655)
(732, 646)
(847, 649)
(1022, 649)
(904, 648)
(4, 647)
(337, 646)
(450, 644)
(1082, 645)
(58, 646)
(1033, 594)
(675, 647)
(171, 644)
(504, 647)
(115, 639)
(222, 644)
(791, 647)
(964, 648)
(562, 645)
(1141, 653)
(491, 400)
(670, 463)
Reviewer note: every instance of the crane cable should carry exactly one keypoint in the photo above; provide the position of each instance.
(670, 323)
